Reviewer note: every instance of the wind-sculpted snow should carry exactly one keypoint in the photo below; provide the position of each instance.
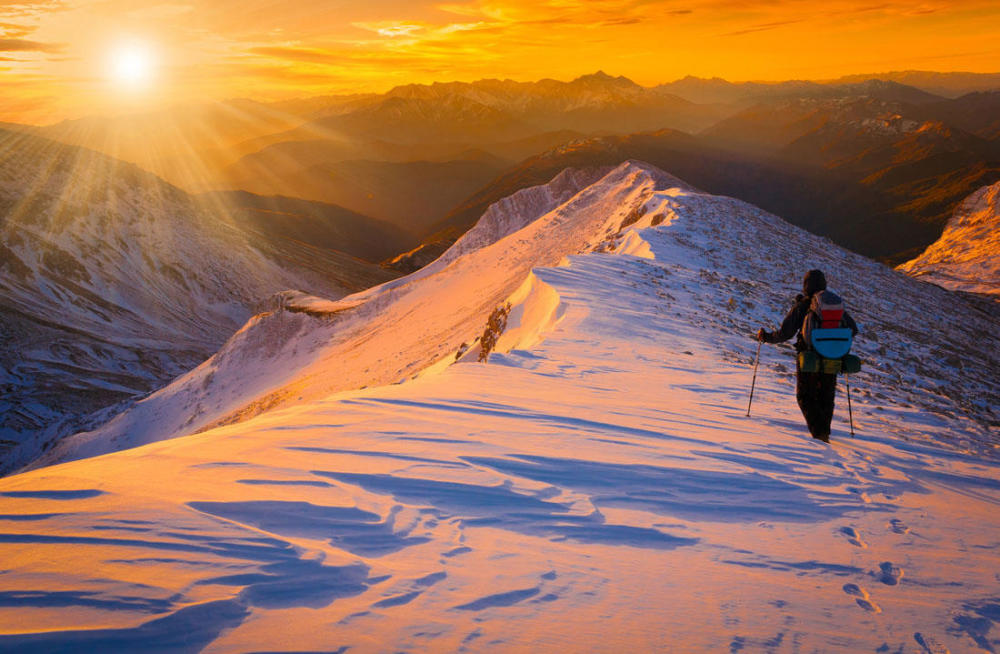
(601, 490)
(967, 256)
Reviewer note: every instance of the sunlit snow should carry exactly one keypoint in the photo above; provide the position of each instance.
(596, 486)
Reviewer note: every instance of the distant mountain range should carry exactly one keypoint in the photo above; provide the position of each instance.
(876, 174)
(719, 91)
(949, 85)
(901, 169)
(884, 189)
(873, 155)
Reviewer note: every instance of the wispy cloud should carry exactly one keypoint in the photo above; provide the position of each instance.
(625, 20)
(390, 28)
(15, 31)
(329, 57)
(26, 45)
(311, 55)
(763, 27)
(30, 8)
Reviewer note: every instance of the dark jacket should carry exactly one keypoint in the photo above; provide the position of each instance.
(792, 324)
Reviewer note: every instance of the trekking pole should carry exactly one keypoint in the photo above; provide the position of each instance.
(850, 412)
(756, 359)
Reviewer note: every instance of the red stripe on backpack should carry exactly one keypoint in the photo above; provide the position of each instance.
(830, 318)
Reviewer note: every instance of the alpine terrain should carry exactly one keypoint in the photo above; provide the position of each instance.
(112, 282)
(967, 256)
(539, 442)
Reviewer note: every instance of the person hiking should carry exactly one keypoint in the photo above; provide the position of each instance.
(814, 391)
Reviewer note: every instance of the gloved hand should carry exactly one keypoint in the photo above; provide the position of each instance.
(761, 334)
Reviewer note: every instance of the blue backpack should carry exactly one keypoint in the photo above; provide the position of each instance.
(823, 329)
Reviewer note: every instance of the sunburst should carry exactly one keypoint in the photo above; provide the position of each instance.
(132, 65)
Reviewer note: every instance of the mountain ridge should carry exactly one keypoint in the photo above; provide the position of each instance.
(967, 256)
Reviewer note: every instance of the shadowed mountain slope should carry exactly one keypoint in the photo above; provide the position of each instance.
(113, 281)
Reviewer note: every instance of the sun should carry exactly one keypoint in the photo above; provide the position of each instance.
(132, 65)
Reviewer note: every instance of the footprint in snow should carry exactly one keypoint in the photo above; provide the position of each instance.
(456, 551)
(862, 598)
(930, 645)
(499, 600)
(889, 574)
(853, 537)
(898, 526)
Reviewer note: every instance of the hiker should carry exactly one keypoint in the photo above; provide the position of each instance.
(814, 391)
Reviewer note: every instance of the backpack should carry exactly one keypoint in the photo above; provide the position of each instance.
(822, 329)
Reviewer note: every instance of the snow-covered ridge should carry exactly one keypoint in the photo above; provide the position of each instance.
(967, 256)
(311, 347)
(521, 208)
(596, 486)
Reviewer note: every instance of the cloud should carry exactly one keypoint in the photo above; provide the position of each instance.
(390, 28)
(25, 45)
(329, 57)
(280, 74)
(310, 55)
(627, 20)
(461, 9)
(763, 27)
(478, 26)
(14, 31)
(29, 8)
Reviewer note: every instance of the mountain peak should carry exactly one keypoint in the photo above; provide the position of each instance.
(600, 77)
(695, 78)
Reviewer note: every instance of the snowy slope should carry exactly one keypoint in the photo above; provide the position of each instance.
(595, 487)
(112, 282)
(967, 256)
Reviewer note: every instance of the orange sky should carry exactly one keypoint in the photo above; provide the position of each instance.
(55, 54)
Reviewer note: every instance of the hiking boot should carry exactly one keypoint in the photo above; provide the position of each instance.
(822, 437)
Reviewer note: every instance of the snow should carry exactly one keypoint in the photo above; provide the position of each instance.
(967, 256)
(596, 486)
(536, 310)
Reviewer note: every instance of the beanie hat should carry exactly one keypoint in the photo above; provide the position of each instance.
(813, 282)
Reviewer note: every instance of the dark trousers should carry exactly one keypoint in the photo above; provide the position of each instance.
(815, 392)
